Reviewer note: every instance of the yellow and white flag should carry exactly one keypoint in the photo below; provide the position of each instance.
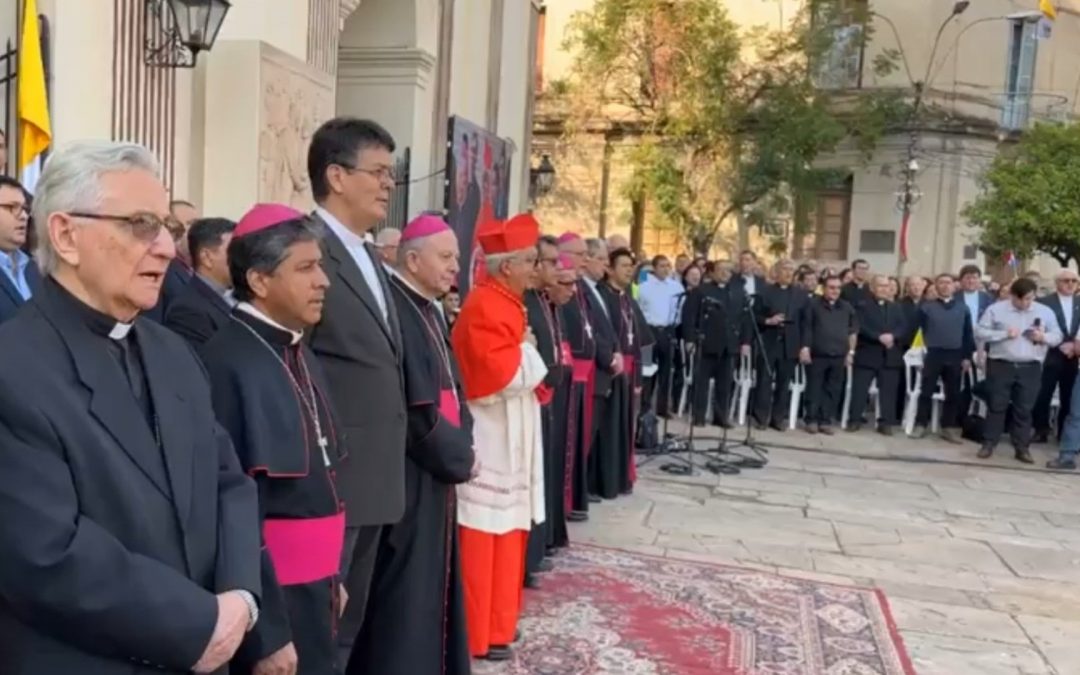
(1048, 9)
(35, 130)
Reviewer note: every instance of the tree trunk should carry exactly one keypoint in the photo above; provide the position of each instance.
(744, 231)
(637, 226)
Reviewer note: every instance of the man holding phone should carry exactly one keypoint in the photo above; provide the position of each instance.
(1017, 333)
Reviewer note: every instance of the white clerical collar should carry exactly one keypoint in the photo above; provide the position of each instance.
(412, 287)
(255, 312)
(347, 236)
(120, 330)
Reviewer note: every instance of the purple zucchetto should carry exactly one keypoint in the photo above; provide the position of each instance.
(422, 226)
(263, 216)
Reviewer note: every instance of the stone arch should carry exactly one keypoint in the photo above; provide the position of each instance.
(387, 71)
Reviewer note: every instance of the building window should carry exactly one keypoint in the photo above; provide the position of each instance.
(1019, 73)
(971, 251)
(824, 223)
(877, 241)
(840, 67)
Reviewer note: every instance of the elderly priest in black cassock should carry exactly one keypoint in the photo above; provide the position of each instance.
(129, 533)
(270, 394)
(416, 600)
(591, 339)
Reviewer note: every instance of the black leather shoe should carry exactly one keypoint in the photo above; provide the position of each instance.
(885, 430)
(854, 428)
(545, 566)
(595, 499)
(1040, 437)
(777, 426)
(531, 581)
(1066, 464)
(577, 517)
(985, 451)
(1023, 455)
(498, 653)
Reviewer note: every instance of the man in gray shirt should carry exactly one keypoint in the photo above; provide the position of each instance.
(1017, 333)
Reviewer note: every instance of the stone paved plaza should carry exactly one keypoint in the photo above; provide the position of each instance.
(980, 560)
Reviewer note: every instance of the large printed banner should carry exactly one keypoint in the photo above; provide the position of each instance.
(477, 190)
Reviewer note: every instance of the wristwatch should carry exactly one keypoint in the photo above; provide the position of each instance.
(253, 608)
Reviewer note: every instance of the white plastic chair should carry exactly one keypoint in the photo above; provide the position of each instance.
(688, 362)
(913, 361)
(845, 412)
(744, 379)
(797, 386)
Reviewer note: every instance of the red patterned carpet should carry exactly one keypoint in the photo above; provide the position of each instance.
(605, 611)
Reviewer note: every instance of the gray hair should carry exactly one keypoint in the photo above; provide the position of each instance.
(494, 261)
(594, 246)
(387, 235)
(71, 181)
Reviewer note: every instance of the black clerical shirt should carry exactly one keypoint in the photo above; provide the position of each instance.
(119, 339)
(830, 326)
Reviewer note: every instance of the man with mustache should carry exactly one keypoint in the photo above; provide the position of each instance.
(270, 394)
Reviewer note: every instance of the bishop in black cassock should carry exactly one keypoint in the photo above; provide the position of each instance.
(589, 334)
(616, 470)
(416, 601)
(544, 324)
(269, 393)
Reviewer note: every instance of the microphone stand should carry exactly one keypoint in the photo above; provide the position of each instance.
(669, 443)
(725, 447)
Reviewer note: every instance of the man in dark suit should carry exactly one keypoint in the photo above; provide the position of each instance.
(1059, 368)
(713, 317)
(748, 280)
(779, 316)
(20, 279)
(877, 356)
(130, 535)
(858, 290)
(202, 308)
(359, 343)
(608, 358)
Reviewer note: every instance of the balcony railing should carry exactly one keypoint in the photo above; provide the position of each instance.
(1021, 111)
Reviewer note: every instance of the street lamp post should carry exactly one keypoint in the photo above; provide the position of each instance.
(177, 30)
(542, 177)
(909, 190)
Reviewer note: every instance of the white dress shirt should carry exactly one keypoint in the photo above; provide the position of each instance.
(749, 284)
(1001, 316)
(659, 300)
(1066, 311)
(357, 248)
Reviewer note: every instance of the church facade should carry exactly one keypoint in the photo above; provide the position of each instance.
(234, 129)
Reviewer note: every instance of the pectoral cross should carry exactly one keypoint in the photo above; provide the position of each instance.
(323, 443)
(588, 329)
(630, 334)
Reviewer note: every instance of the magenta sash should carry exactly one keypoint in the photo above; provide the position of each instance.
(631, 379)
(304, 550)
(449, 408)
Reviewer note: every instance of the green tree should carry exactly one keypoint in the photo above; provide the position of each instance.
(728, 122)
(1030, 201)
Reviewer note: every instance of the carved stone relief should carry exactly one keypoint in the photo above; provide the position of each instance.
(295, 100)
